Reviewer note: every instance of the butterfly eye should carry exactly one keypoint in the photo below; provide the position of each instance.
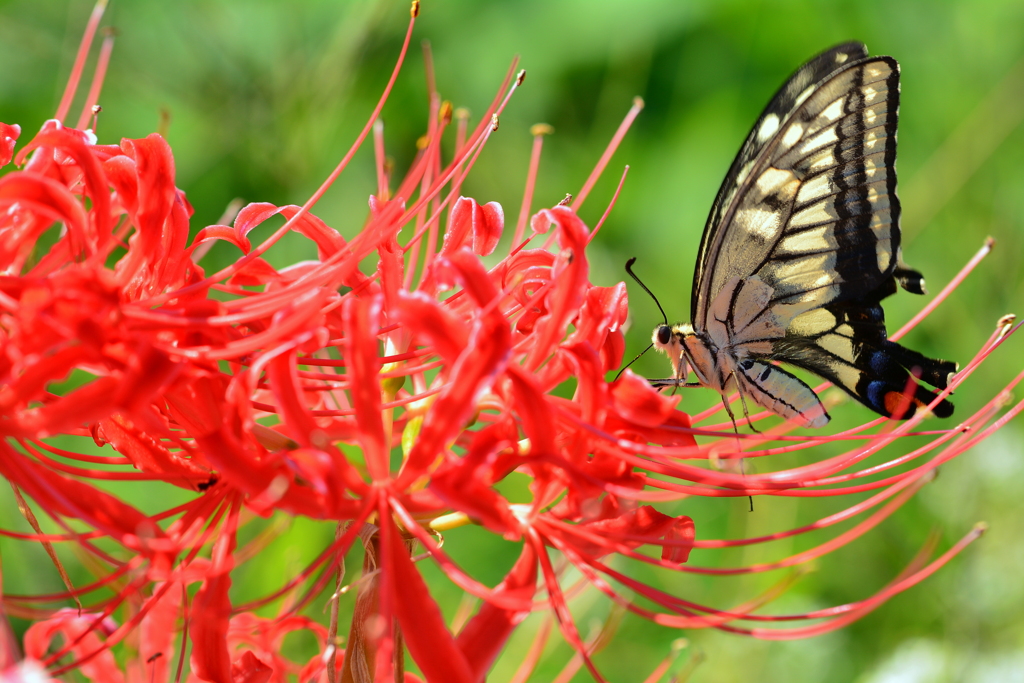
(664, 335)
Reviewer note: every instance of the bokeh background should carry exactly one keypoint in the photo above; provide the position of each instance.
(261, 98)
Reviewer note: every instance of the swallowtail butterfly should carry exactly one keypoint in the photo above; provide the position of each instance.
(801, 246)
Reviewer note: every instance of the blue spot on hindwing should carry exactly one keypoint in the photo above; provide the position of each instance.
(875, 395)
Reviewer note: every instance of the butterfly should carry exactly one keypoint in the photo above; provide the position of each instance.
(801, 246)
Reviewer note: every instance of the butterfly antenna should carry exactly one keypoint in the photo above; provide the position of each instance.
(617, 376)
(629, 269)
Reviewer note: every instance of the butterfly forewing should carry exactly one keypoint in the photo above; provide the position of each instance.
(812, 212)
(786, 100)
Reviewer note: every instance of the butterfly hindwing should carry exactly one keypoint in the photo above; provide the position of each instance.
(846, 343)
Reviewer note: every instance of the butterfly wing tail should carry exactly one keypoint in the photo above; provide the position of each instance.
(934, 371)
(892, 379)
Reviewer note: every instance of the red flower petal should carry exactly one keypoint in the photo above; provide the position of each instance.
(483, 358)
(538, 419)
(222, 232)
(255, 272)
(47, 198)
(471, 493)
(487, 232)
(159, 629)
(633, 529)
(210, 614)
(483, 638)
(426, 635)
(637, 402)
(569, 284)
(392, 270)
(601, 317)
(328, 240)
(363, 365)
(72, 498)
(432, 324)
(73, 144)
(157, 249)
(148, 453)
(80, 629)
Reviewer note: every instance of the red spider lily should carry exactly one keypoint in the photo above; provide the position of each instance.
(392, 403)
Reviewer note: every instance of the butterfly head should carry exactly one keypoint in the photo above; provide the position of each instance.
(673, 341)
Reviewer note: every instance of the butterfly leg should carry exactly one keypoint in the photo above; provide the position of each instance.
(743, 402)
(743, 471)
(736, 431)
(672, 382)
(728, 409)
(746, 414)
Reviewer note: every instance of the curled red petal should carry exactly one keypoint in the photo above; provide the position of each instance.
(282, 374)
(466, 491)
(431, 323)
(569, 284)
(9, 134)
(472, 224)
(250, 669)
(592, 391)
(50, 200)
(251, 215)
(122, 174)
(600, 321)
(221, 232)
(474, 277)
(81, 630)
(487, 231)
(159, 629)
(155, 167)
(255, 272)
(682, 530)
(157, 254)
(392, 270)
(537, 416)
(196, 402)
(328, 240)
(460, 225)
(74, 144)
(628, 528)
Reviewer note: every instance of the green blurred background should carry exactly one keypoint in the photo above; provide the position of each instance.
(264, 98)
